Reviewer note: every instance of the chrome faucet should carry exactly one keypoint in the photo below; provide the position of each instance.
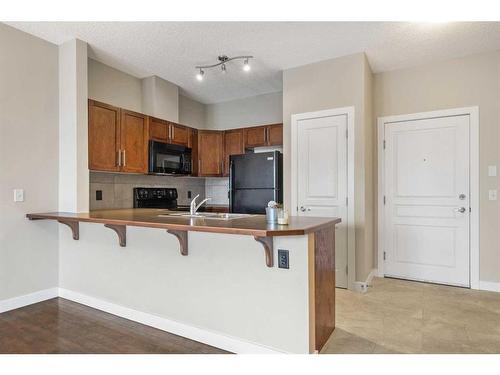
(193, 207)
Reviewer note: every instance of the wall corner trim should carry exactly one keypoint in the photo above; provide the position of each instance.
(28, 299)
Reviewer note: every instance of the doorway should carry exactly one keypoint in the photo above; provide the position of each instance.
(322, 153)
(428, 197)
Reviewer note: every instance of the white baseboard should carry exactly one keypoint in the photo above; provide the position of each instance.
(489, 285)
(28, 299)
(362, 286)
(218, 340)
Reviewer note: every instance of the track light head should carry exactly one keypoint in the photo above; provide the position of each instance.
(246, 66)
(200, 74)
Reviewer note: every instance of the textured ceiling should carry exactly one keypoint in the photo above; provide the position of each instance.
(170, 50)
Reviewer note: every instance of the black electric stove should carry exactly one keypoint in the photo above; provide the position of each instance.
(155, 198)
(159, 198)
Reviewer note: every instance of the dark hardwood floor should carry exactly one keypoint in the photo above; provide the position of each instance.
(62, 326)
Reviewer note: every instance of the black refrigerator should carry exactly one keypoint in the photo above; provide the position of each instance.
(254, 180)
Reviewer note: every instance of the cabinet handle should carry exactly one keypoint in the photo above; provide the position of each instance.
(172, 132)
(222, 167)
(267, 136)
(199, 167)
(119, 158)
(124, 160)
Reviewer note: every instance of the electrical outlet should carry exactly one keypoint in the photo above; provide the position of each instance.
(18, 195)
(283, 259)
(492, 170)
(492, 195)
(98, 195)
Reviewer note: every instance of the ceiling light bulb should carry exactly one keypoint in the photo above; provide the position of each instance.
(223, 67)
(200, 74)
(246, 66)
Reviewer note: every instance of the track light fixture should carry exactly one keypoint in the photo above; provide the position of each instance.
(223, 59)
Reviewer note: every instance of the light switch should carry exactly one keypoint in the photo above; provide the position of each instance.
(18, 195)
(492, 195)
(492, 170)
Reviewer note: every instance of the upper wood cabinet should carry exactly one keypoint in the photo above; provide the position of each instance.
(179, 134)
(159, 130)
(210, 153)
(275, 135)
(261, 136)
(169, 132)
(104, 137)
(134, 142)
(233, 145)
(256, 137)
(118, 139)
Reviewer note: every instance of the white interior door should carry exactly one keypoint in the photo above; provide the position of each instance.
(322, 178)
(427, 200)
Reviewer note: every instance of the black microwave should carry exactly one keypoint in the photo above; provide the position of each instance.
(165, 158)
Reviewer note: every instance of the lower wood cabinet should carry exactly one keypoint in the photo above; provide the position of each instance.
(233, 145)
(118, 139)
(210, 153)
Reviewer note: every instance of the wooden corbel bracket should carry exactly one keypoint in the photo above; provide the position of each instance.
(121, 231)
(74, 225)
(182, 236)
(267, 242)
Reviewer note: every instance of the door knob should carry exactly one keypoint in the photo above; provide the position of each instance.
(461, 210)
(462, 197)
(302, 208)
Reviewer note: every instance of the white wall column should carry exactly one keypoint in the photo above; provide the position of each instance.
(73, 127)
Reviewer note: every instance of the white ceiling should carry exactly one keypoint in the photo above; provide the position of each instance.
(170, 50)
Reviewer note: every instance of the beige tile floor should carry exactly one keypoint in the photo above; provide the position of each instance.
(397, 316)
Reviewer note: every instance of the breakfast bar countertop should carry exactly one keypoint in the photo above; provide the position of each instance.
(254, 225)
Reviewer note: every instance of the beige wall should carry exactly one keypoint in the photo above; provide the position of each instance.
(160, 98)
(335, 83)
(28, 160)
(191, 112)
(255, 110)
(469, 81)
(113, 86)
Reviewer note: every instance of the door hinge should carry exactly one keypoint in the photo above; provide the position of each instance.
(347, 133)
(346, 201)
(297, 208)
(347, 269)
(470, 209)
(384, 200)
(384, 255)
(384, 144)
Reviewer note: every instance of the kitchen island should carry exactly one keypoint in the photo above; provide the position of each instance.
(214, 278)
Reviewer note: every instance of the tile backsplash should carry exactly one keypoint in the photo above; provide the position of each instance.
(117, 188)
(217, 188)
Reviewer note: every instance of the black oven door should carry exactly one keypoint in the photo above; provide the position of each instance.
(166, 158)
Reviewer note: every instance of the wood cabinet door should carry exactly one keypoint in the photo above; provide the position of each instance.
(158, 129)
(233, 145)
(104, 137)
(275, 135)
(256, 136)
(210, 152)
(134, 142)
(179, 134)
